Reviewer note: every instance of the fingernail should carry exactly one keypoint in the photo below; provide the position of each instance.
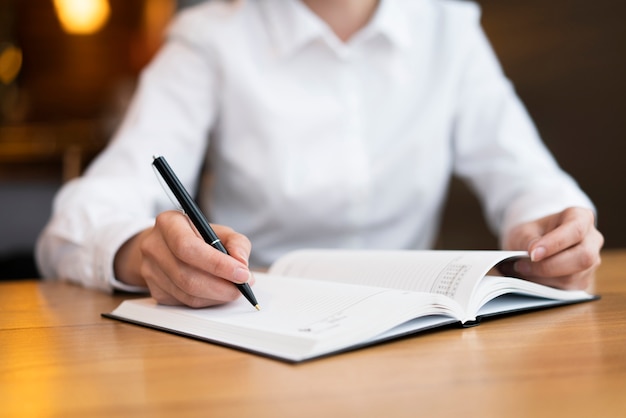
(251, 279)
(522, 267)
(538, 253)
(241, 275)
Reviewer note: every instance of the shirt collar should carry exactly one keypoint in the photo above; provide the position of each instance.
(292, 25)
(391, 22)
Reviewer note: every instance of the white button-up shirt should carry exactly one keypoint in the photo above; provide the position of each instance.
(312, 142)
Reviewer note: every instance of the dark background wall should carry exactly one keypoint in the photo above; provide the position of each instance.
(565, 57)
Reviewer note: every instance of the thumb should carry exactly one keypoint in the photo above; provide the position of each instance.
(523, 237)
(527, 237)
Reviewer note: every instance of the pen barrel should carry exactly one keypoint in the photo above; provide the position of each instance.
(188, 204)
(219, 246)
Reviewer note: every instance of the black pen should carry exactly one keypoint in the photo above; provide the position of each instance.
(192, 210)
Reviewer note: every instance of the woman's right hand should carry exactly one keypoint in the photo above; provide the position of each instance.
(179, 267)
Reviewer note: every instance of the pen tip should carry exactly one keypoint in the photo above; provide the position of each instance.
(258, 308)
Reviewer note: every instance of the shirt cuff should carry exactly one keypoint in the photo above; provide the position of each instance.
(108, 241)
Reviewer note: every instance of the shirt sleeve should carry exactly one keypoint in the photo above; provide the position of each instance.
(171, 114)
(497, 148)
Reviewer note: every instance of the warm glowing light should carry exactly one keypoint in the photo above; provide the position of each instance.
(82, 17)
(10, 63)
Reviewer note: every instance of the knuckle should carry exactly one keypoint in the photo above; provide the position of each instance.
(243, 240)
(145, 271)
(196, 302)
(181, 244)
(163, 220)
(589, 215)
(162, 297)
(183, 248)
(245, 243)
(600, 238)
(190, 284)
(587, 260)
(579, 229)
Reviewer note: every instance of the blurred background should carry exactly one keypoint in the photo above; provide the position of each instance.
(68, 69)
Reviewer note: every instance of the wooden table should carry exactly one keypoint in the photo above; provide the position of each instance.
(59, 357)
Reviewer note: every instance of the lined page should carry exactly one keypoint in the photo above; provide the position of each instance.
(451, 273)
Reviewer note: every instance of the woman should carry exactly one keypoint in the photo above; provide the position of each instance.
(322, 123)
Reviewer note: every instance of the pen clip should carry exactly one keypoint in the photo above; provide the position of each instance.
(166, 188)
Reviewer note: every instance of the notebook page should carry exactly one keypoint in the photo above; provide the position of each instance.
(297, 317)
(451, 273)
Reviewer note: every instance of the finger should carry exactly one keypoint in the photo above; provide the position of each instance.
(570, 229)
(189, 248)
(573, 268)
(182, 285)
(238, 245)
(565, 263)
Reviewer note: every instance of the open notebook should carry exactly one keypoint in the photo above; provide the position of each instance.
(318, 302)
